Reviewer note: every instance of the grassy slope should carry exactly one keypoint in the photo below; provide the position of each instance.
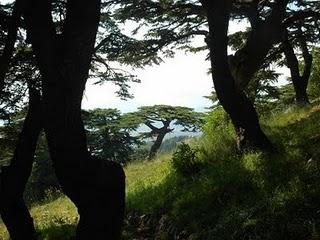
(56, 219)
(232, 197)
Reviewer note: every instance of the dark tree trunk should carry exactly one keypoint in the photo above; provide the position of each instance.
(160, 133)
(233, 100)
(13, 178)
(96, 187)
(264, 34)
(300, 82)
(156, 145)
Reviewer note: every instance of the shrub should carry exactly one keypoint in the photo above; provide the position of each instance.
(185, 161)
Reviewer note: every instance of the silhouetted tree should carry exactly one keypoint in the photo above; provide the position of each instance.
(13, 178)
(63, 57)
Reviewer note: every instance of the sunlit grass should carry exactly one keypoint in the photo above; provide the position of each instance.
(56, 220)
(252, 194)
(53, 220)
(143, 174)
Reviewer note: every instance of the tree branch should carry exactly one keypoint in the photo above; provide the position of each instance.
(10, 41)
(301, 15)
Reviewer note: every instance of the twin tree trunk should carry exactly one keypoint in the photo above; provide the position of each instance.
(157, 144)
(299, 81)
(96, 187)
(233, 100)
(13, 178)
(160, 134)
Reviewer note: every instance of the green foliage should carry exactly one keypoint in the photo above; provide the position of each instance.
(110, 134)
(216, 121)
(43, 183)
(185, 161)
(160, 119)
(171, 143)
(250, 196)
(287, 96)
(170, 25)
(261, 89)
(141, 152)
(54, 220)
(179, 116)
(9, 132)
(42, 177)
(145, 184)
(314, 82)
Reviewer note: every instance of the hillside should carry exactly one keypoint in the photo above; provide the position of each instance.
(210, 191)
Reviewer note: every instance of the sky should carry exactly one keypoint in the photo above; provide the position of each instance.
(179, 81)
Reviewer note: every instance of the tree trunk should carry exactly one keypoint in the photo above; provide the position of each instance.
(264, 34)
(13, 178)
(95, 186)
(300, 82)
(307, 57)
(156, 145)
(234, 101)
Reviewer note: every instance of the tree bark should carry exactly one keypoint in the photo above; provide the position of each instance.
(233, 100)
(300, 82)
(264, 34)
(13, 178)
(156, 145)
(160, 133)
(96, 187)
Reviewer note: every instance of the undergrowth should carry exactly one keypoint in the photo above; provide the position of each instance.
(251, 195)
(209, 190)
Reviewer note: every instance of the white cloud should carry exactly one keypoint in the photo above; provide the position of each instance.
(182, 81)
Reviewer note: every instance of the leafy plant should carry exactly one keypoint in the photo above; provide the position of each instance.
(185, 161)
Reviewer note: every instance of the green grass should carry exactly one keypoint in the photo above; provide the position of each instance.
(143, 180)
(245, 196)
(56, 219)
(233, 196)
(145, 174)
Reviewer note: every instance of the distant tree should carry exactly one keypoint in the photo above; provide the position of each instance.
(110, 134)
(287, 96)
(160, 118)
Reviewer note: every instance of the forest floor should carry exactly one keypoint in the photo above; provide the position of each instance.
(221, 194)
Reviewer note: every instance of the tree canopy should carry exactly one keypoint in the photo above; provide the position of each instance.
(160, 119)
(50, 48)
(110, 134)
